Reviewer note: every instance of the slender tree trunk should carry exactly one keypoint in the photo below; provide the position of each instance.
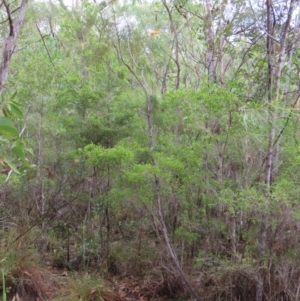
(211, 59)
(280, 64)
(41, 198)
(9, 46)
(162, 228)
(175, 47)
(269, 156)
(273, 95)
(233, 239)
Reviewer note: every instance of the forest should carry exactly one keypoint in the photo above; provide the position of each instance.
(149, 150)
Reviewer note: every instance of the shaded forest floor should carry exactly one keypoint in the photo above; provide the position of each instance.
(31, 275)
(34, 275)
(35, 284)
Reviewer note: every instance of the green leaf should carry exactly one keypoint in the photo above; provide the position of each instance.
(14, 95)
(6, 112)
(15, 110)
(26, 167)
(28, 150)
(7, 128)
(18, 149)
(11, 165)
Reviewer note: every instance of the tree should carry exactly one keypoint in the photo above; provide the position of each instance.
(165, 136)
(14, 16)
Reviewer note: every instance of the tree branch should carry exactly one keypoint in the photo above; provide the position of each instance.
(9, 17)
(45, 46)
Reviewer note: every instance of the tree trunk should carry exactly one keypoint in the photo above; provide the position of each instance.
(272, 116)
(211, 59)
(9, 46)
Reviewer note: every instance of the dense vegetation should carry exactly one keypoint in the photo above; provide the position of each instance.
(153, 140)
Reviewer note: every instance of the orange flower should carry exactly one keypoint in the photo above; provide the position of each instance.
(154, 32)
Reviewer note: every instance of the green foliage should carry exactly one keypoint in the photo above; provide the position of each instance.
(12, 146)
(187, 234)
(99, 156)
(7, 128)
(83, 86)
